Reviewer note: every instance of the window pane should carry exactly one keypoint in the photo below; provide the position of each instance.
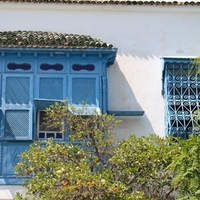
(59, 135)
(41, 135)
(50, 135)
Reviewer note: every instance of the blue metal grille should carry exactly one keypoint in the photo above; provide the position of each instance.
(17, 90)
(182, 98)
(84, 89)
(17, 124)
(51, 88)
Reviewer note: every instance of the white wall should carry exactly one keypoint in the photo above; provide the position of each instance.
(142, 34)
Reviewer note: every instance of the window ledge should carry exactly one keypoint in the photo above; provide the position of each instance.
(126, 113)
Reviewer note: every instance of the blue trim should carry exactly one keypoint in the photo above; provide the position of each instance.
(11, 180)
(41, 104)
(126, 113)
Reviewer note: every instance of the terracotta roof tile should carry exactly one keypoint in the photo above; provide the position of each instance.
(111, 2)
(49, 40)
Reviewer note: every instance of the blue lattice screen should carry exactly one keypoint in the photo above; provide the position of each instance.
(182, 98)
(17, 112)
(84, 89)
(16, 124)
(51, 88)
(17, 90)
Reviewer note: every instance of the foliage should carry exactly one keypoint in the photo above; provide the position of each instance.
(64, 172)
(78, 169)
(187, 167)
(93, 131)
(196, 120)
(93, 166)
(195, 69)
(141, 164)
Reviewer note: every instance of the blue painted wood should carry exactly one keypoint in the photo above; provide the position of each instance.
(126, 113)
(104, 93)
(17, 106)
(41, 104)
(10, 156)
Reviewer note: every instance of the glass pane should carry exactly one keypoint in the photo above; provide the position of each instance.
(50, 135)
(59, 135)
(41, 135)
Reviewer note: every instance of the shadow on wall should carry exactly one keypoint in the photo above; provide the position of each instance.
(121, 98)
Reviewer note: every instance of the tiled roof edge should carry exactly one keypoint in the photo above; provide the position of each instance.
(42, 39)
(109, 2)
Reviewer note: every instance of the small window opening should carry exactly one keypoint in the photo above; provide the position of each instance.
(56, 67)
(44, 132)
(88, 67)
(15, 66)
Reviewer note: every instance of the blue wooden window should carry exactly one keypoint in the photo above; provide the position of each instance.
(51, 87)
(84, 89)
(17, 107)
(182, 97)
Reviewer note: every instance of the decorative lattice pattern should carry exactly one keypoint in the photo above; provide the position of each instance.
(51, 88)
(11, 155)
(182, 98)
(17, 90)
(16, 123)
(84, 89)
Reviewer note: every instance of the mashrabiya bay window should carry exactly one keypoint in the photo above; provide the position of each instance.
(36, 70)
(182, 96)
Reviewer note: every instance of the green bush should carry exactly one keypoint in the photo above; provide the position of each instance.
(63, 171)
(187, 167)
(93, 166)
(141, 163)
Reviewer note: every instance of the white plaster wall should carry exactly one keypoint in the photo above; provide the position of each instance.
(143, 34)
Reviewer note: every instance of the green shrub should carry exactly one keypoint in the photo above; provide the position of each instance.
(141, 163)
(187, 167)
(93, 166)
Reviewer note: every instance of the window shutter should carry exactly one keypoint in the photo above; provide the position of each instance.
(84, 89)
(52, 87)
(17, 107)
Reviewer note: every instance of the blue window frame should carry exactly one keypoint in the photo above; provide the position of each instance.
(182, 97)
